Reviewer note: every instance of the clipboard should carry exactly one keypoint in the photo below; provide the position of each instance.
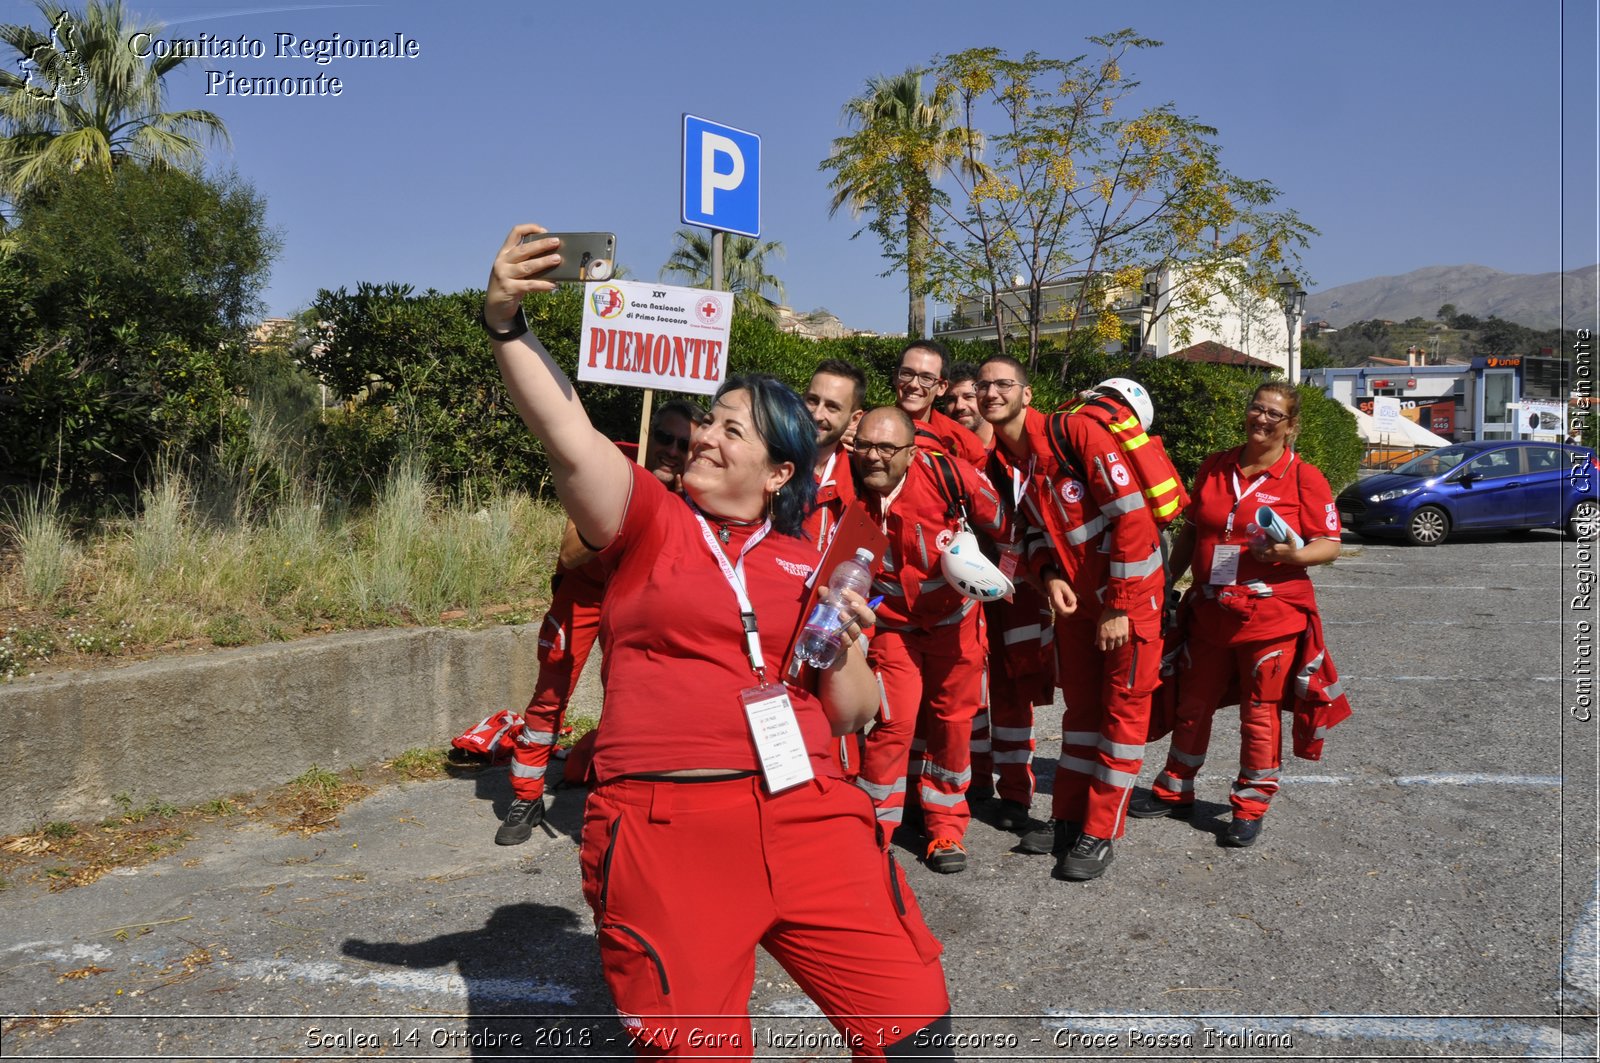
(856, 530)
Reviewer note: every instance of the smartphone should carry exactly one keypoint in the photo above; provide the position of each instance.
(584, 256)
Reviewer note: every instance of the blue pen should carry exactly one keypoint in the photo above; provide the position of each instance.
(875, 602)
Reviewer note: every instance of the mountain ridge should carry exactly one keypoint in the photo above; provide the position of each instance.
(1531, 299)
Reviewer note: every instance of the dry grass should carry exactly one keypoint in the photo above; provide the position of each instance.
(175, 579)
(62, 855)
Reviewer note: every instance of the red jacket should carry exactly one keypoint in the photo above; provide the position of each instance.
(835, 491)
(941, 432)
(1097, 531)
(1316, 698)
(915, 593)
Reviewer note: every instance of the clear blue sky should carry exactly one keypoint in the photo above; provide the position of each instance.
(1410, 132)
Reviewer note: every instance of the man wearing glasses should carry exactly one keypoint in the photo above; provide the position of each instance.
(920, 378)
(930, 648)
(568, 632)
(1099, 562)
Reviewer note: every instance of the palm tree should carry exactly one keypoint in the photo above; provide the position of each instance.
(904, 142)
(87, 100)
(744, 268)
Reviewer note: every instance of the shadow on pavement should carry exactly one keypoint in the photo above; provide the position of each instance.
(514, 1008)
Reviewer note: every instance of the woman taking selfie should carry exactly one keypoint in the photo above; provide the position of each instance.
(716, 823)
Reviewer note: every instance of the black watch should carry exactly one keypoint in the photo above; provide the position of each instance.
(519, 326)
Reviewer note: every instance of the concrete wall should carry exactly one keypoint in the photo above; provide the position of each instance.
(188, 729)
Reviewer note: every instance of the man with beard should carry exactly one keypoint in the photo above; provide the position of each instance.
(962, 404)
(834, 397)
(1099, 561)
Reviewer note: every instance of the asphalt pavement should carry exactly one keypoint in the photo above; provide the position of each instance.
(1427, 889)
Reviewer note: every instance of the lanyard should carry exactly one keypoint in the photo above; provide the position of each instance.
(734, 574)
(1239, 495)
(1020, 482)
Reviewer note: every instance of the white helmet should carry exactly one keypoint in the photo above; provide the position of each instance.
(1135, 395)
(969, 572)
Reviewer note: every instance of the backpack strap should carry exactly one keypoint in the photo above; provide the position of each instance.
(1061, 447)
(957, 502)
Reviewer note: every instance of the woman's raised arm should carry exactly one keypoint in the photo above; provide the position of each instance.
(592, 476)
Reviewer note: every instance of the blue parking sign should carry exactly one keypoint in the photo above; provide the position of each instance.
(721, 177)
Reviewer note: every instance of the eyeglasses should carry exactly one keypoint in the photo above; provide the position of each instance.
(886, 451)
(927, 380)
(665, 439)
(1267, 413)
(1002, 386)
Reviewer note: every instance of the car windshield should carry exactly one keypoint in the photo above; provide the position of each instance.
(1436, 464)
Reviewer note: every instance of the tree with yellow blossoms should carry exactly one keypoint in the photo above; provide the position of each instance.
(1062, 180)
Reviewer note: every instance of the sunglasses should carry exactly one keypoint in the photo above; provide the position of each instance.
(666, 440)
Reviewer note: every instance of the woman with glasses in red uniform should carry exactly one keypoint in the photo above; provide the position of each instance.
(1251, 609)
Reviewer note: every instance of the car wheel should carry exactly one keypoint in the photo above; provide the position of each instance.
(1428, 526)
(1585, 519)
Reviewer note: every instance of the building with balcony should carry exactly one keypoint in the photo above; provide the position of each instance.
(1170, 314)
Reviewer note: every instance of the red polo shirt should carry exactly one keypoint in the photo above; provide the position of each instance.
(674, 647)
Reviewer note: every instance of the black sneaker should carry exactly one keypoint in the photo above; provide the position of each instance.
(1149, 806)
(521, 818)
(1054, 837)
(1013, 815)
(978, 794)
(1088, 858)
(946, 856)
(1242, 833)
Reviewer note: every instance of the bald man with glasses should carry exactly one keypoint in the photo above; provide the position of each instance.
(929, 650)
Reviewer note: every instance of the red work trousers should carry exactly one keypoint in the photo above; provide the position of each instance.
(1262, 670)
(1022, 674)
(565, 639)
(1103, 730)
(933, 683)
(685, 880)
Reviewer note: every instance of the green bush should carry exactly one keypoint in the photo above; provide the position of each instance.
(124, 307)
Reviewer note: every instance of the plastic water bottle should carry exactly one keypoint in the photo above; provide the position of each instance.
(823, 636)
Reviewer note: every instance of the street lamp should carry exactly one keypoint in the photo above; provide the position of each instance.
(1294, 308)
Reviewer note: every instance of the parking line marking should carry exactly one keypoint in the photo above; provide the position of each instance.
(1440, 778)
(1485, 622)
(509, 990)
(1448, 678)
(1477, 778)
(1581, 965)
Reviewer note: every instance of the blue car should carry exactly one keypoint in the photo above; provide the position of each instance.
(1482, 486)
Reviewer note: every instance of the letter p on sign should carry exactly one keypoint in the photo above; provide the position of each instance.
(721, 177)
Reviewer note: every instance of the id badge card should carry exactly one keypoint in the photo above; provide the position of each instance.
(779, 744)
(1009, 560)
(1224, 566)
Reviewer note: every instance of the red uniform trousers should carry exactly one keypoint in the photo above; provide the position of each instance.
(1262, 671)
(1108, 716)
(685, 880)
(565, 639)
(933, 682)
(1022, 674)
